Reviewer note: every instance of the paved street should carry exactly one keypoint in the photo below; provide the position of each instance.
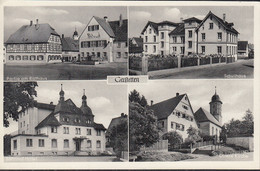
(63, 71)
(61, 159)
(239, 69)
(231, 157)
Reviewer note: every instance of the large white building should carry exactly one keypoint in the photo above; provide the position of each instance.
(32, 44)
(105, 41)
(62, 129)
(212, 35)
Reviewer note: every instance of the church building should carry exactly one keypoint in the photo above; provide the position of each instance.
(62, 129)
(33, 44)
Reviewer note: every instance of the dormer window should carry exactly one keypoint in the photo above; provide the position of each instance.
(77, 120)
(66, 119)
(88, 121)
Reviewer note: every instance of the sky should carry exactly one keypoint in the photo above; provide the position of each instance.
(62, 19)
(106, 101)
(241, 16)
(236, 95)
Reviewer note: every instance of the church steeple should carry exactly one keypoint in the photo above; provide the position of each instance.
(75, 34)
(61, 94)
(84, 99)
(216, 106)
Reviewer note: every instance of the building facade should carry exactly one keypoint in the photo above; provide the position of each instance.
(105, 41)
(136, 46)
(70, 48)
(32, 44)
(242, 49)
(212, 35)
(62, 129)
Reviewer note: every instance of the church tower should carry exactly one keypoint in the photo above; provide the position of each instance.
(216, 107)
(75, 35)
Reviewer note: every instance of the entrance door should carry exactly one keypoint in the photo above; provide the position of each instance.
(78, 145)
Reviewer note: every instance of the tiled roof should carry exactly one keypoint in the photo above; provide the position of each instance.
(69, 44)
(36, 33)
(102, 22)
(138, 48)
(192, 19)
(242, 45)
(163, 109)
(44, 105)
(153, 25)
(201, 115)
(50, 120)
(139, 41)
(179, 30)
(67, 107)
(228, 26)
(119, 31)
(99, 126)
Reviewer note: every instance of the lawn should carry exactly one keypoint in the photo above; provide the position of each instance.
(63, 71)
(163, 156)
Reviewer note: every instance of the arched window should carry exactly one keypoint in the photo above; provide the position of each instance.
(11, 57)
(32, 57)
(40, 57)
(18, 57)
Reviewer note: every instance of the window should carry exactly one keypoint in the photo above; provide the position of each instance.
(88, 121)
(220, 36)
(89, 144)
(15, 144)
(118, 45)
(88, 131)
(219, 49)
(65, 130)
(150, 31)
(203, 49)
(78, 131)
(190, 23)
(66, 143)
(172, 125)
(118, 54)
(32, 57)
(11, 57)
(98, 144)
(77, 120)
(93, 27)
(210, 25)
(40, 57)
(29, 143)
(190, 44)
(154, 49)
(162, 44)
(203, 36)
(21, 124)
(185, 107)
(126, 54)
(41, 142)
(146, 48)
(18, 57)
(182, 50)
(146, 38)
(53, 129)
(54, 143)
(190, 33)
(154, 38)
(66, 119)
(174, 39)
(25, 57)
(162, 35)
(182, 39)
(174, 48)
(98, 132)
(105, 54)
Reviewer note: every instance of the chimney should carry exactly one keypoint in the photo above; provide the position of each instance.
(177, 94)
(62, 36)
(31, 23)
(51, 103)
(120, 20)
(105, 18)
(122, 115)
(37, 20)
(224, 17)
(151, 102)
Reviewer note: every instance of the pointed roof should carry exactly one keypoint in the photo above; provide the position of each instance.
(228, 26)
(69, 44)
(98, 126)
(50, 120)
(105, 25)
(35, 33)
(202, 115)
(67, 107)
(120, 31)
(163, 109)
(179, 30)
(153, 25)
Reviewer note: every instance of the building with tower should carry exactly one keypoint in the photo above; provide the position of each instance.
(62, 129)
(210, 123)
(212, 35)
(70, 47)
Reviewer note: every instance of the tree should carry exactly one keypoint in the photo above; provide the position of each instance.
(18, 96)
(223, 134)
(193, 136)
(174, 139)
(143, 130)
(248, 123)
(234, 128)
(134, 96)
(119, 137)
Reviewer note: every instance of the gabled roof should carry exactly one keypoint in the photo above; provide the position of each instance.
(99, 126)
(36, 33)
(192, 19)
(225, 24)
(201, 115)
(153, 25)
(179, 30)
(242, 45)
(105, 25)
(120, 32)
(163, 109)
(69, 44)
(50, 120)
(139, 41)
(67, 107)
